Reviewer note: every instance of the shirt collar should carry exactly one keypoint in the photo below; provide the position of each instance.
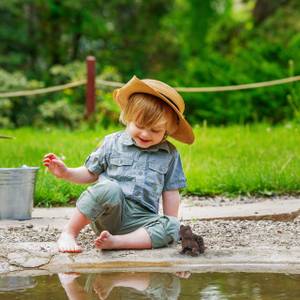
(127, 140)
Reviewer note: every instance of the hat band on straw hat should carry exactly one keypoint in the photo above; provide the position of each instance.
(170, 100)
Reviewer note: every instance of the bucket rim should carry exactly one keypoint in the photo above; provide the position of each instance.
(19, 168)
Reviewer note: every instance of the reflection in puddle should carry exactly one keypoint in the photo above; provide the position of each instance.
(15, 283)
(134, 286)
(141, 285)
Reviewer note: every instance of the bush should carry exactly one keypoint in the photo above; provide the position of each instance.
(65, 108)
(237, 51)
(16, 111)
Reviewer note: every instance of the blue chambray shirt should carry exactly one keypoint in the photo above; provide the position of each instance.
(143, 174)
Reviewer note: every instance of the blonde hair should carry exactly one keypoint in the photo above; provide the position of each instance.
(149, 111)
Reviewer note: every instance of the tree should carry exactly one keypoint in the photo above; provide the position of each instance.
(264, 8)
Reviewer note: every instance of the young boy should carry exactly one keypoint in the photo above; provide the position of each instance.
(133, 169)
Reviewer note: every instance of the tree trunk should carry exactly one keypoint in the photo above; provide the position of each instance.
(76, 37)
(265, 8)
(30, 13)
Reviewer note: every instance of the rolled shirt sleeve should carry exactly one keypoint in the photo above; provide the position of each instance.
(96, 161)
(175, 178)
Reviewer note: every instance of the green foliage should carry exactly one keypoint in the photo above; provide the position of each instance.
(59, 113)
(107, 110)
(65, 108)
(16, 111)
(294, 95)
(237, 52)
(183, 42)
(60, 32)
(35, 110)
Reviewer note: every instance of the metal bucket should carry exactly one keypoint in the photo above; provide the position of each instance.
(17, 187)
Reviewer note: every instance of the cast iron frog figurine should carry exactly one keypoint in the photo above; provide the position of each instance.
(192, 244)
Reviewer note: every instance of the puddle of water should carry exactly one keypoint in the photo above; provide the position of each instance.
(139, 285)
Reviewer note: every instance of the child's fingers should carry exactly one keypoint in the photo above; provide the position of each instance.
(57, 162)
(184, 274)
(50, 155)
(46, 162)
(68, 277)
(52, 160)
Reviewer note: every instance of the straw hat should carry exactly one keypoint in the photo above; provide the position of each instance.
(184, 132)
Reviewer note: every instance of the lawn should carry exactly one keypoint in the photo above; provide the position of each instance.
(233, 160)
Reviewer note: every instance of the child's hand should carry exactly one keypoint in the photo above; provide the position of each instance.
(67, 278)
(55, 165)
(184, 274)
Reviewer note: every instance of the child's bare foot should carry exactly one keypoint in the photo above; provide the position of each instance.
(106, 241)
(67, 243)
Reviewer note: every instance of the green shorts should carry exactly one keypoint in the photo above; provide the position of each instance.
(107, 208)
(160, 285)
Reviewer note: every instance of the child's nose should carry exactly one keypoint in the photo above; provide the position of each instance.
(145, 133)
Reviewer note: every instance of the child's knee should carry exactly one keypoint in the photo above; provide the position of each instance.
(164, 231)
(172, 229)
(107, 192)
(100, 198)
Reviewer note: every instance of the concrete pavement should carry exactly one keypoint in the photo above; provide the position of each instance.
(276, 210)
(43, 258)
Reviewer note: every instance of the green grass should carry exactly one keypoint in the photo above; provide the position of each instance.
(232, 160)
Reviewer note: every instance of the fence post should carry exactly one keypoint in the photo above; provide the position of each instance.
(90, 102)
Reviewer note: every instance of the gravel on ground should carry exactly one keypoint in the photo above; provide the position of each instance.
(217, 234)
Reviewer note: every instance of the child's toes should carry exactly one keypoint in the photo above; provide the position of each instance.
(97, 240)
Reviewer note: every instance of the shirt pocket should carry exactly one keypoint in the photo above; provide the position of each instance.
(155, 178)
(157, 167)
(157, 171)
(120, 168)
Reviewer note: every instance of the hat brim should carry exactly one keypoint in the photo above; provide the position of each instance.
(184, 132)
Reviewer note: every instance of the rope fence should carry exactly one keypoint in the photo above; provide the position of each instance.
(115, 84)
(238, 87)
(48, 90)
(217, 88)
(92, 82)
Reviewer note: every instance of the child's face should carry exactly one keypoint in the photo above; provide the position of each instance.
(146, 137)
